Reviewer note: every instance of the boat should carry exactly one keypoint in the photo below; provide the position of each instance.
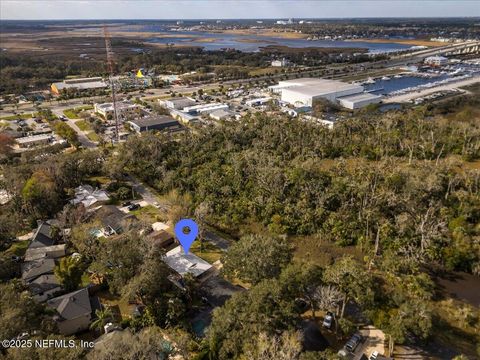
(369, 81)
(397, 76)
(385, 78)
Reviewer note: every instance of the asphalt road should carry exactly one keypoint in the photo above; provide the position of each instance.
(84, 140)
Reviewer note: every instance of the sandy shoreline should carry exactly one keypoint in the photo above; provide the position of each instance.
(265, 32)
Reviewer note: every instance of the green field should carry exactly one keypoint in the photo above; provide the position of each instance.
(73, 113)
(93, 136)
(207, 251)
(19, 116)
(147, 213)
(84, 125)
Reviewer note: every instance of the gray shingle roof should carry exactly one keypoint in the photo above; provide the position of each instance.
(42, 236)
(44, 283)
(72, 305)
(33, 269)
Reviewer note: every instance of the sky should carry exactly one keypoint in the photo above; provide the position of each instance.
(229, 9)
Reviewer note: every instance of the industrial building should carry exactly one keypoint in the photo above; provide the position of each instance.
(183, 116)
(177, 103)
(304, 92)
(280, 63)
(80, 84)
(123, 108)
(436, 61)
(204, 108)
(157, 122)
(222, 114)
(360, 100)
(258, 101)
(35, 140)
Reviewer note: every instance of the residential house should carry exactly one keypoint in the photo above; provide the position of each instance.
(44, 287)
(162, 239)
(43, 236)
(33, 269)
(88, 196)
(37, 270)
(114, 221)
(74, 311)
(186, 263)
(50, 252)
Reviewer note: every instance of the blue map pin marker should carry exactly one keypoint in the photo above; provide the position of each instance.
(186, 240)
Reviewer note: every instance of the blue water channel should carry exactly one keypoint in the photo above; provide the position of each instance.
(253, 43)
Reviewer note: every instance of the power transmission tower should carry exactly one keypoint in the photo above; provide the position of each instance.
(111, 65)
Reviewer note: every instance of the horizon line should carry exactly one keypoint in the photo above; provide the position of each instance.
(273, 18)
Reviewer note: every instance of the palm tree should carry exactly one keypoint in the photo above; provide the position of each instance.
(103, 317)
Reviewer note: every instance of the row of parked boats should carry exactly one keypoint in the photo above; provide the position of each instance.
(425, 75)
(430, 85)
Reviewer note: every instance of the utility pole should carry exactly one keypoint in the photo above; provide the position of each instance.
(111, 64)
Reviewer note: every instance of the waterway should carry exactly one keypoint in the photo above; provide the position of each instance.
(388, 86)
(416, 80)
(253, 43)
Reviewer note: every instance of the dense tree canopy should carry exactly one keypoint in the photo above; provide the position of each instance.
(271, 254)
(279, 172)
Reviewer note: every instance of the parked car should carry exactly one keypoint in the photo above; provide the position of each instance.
(133, 207)
(353, 342)
(373, 355)
(328, 320)
(127, 203)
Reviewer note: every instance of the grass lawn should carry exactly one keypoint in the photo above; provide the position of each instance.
(148, 213)
(93, 136)
(116, 303)
(19, 116)
(209, 253)
(73, 113)
(84, 125)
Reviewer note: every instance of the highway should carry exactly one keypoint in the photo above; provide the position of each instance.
(396, 60)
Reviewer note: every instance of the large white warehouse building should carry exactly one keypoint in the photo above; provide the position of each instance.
(303, 92)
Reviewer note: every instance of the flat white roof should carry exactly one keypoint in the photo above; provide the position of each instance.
(221, 113)
(81, 85)
(201, 107)
(186, 263)
(33, 138)
(360, 97)
(314, 87)
(436, 57)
